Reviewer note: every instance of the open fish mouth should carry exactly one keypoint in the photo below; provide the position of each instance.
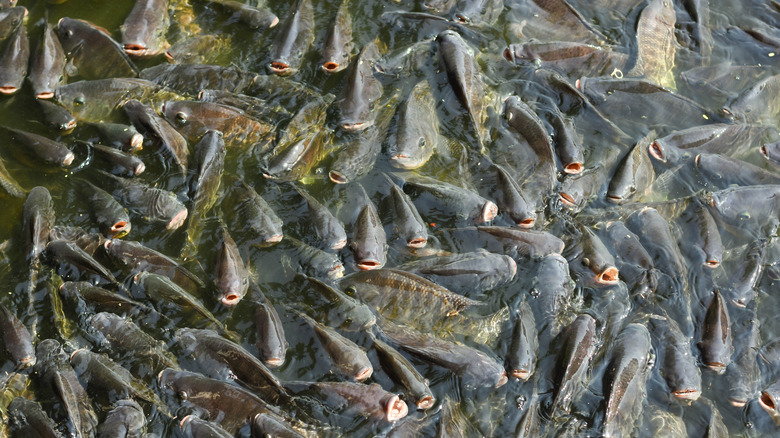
(395, 409)
(276, 238)
(768, 403)
(336, 272)
(567, 200)
(425, 402)
(364, 374)
(137, 142)
(231, 299)
(177, 220)
(573, 168)
(355, 126)
(521, 374)
(717, 367)
(367, 265)
(508, 55)
(712, 263)
(502, 380)
(738, 402)
(8, 89)
(337, 177)
(608, 276)
(136, 50)
(68, 159)
(417, 242)
(527, 223)
(274, 362)
(139, 169)
(656, 152)
(45, 95)
(280, 68)
(119, 229)
(489, 212)
(332, 67)
(615, 199)
(686, 394)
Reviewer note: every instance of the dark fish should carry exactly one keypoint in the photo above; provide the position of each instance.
(705, 244)
(634, 175)
(655, 235)
(224, 403)
(151, 125)
(356, 398)
(138, 258)
(472, 365)
(151, 203)
(634, 263)
(101, 374)
(524, 121)
(16, 339)
(292, 162)
(552, 289)
(95, 101)
(10, 19)
(417, 129)
(359, 91)
(92, 51)
(437, 200)
(125, 419)
(27, 418)
(87, 300)
(208, 165)
(771, 151)
(327, 227)
(718, 82)
(340, 309)
(338, 43)
(112, 219)
(231, 276)
(48, 151)
(194, 119)
(716, 344)
(56, 373)
(391, 291)
(56, 116)
(144, 29)
(471, 272)
(656, 44)
(570, 58)
(14, 61)
(124, 137)
(749, 209)
(269, 110)
(457, 60)
(678, 365)
(591, 253)
(753, 104)
(47, 64)
(553, 18)
(9, 184)
(203, 49)
(190, 79)
(207, 347)
(625, 380)
(511, 199)
(293, 39)
(271, 341)
(577, 190)
(270, 425)
(196, 427)
(310, 260)
(724, 172)
(743, 374)
(369, 241)
(74, 263)
(404, 374)
(256, 17)
(120, 163)
(576, 348)
(248, 208)
(514, 242)
(521, 357)
(741, 286)
(126, 342)
(37, 222)
(347, 357)
(567, 142)
(685, 144)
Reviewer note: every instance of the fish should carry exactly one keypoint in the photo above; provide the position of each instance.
(309, 260)
(256, 17)
(723, 172)
(360, 90)
(634, 263)
(231, 275)
(741, 286)
(768, 401)
(47, 151)
(751, 104)
(347, 357)
(327, 227)
(470, 272)
(339, 44)
(293, 38)
(474, 367)
(369, 241)
(193, 119)
(625, 379)
(577, 346)
(634, 175)
(137, 258)
(47, 64)
(656, 44)
(521, 356)
(716, 343)
(17, 340)
(204, 49)
(263, 424)
(340, 310)
(589, 252)
(97, 100)
(417, 129)
(91, 51)
(144, 28)
(258, 219)
(743, 373)
(751, 209)
(56, 372)
(56, 116)
(120, 163)
(151, 125)
(124, 137)
(151, 203)
(437, 200)
(684, 145)
(112, 219)
(404, 374)
(569, 57)
(271, 341)
(512, 200)
(126, 417)
(27, 417)
(37, 222)
(14, 61)
(371, 400)
(679, 368)
(10, 19)
(73, 263)
(193, 426)
(101, 373)
(9, 184)
(208, 164)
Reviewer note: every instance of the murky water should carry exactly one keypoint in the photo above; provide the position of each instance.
(489, 412)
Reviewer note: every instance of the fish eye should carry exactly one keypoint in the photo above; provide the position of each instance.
(743, 215)
(586, 261)
(182, 395)
(181, 117)
(348, 322)
(351, 290)
(421, 142)
(79, 100)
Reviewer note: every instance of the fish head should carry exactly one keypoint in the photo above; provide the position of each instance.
(395, 409)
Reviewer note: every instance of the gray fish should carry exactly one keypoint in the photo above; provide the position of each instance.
(521, 357)
(152, 125)
(403, 373)
(470, 272)
(743, 374)
(138, 258)
(231, 275)
(369, 241)
(724, 172)
(439, 201)
(50, 152)
(26, 417)
(264, 424)
(356, 398)
(634, 175)
(256, 17)
(716, 343)
(570, 58)
(151, 203)
(293, 38)
(249, 208)
(96, 100)
(56, 116)
(47, 64)
(340, 310)
(359, 91)
(112, 219)
(748, 209)
(102, 374)
(512, 200)
(552, 289)
(329, 229)
(740, 288)
(417, 129)
(752, 104)
(9, 184)
(271, 341)
(126, 418)
(193, 426)
(144, 29)
(656, 43)
(124, 137)
(16, 339)
(92, 51)
(120, 163)
(678, 365)
(37, 222)
(208, 163)
(578, 344)
(338, 43)
(14, 61)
